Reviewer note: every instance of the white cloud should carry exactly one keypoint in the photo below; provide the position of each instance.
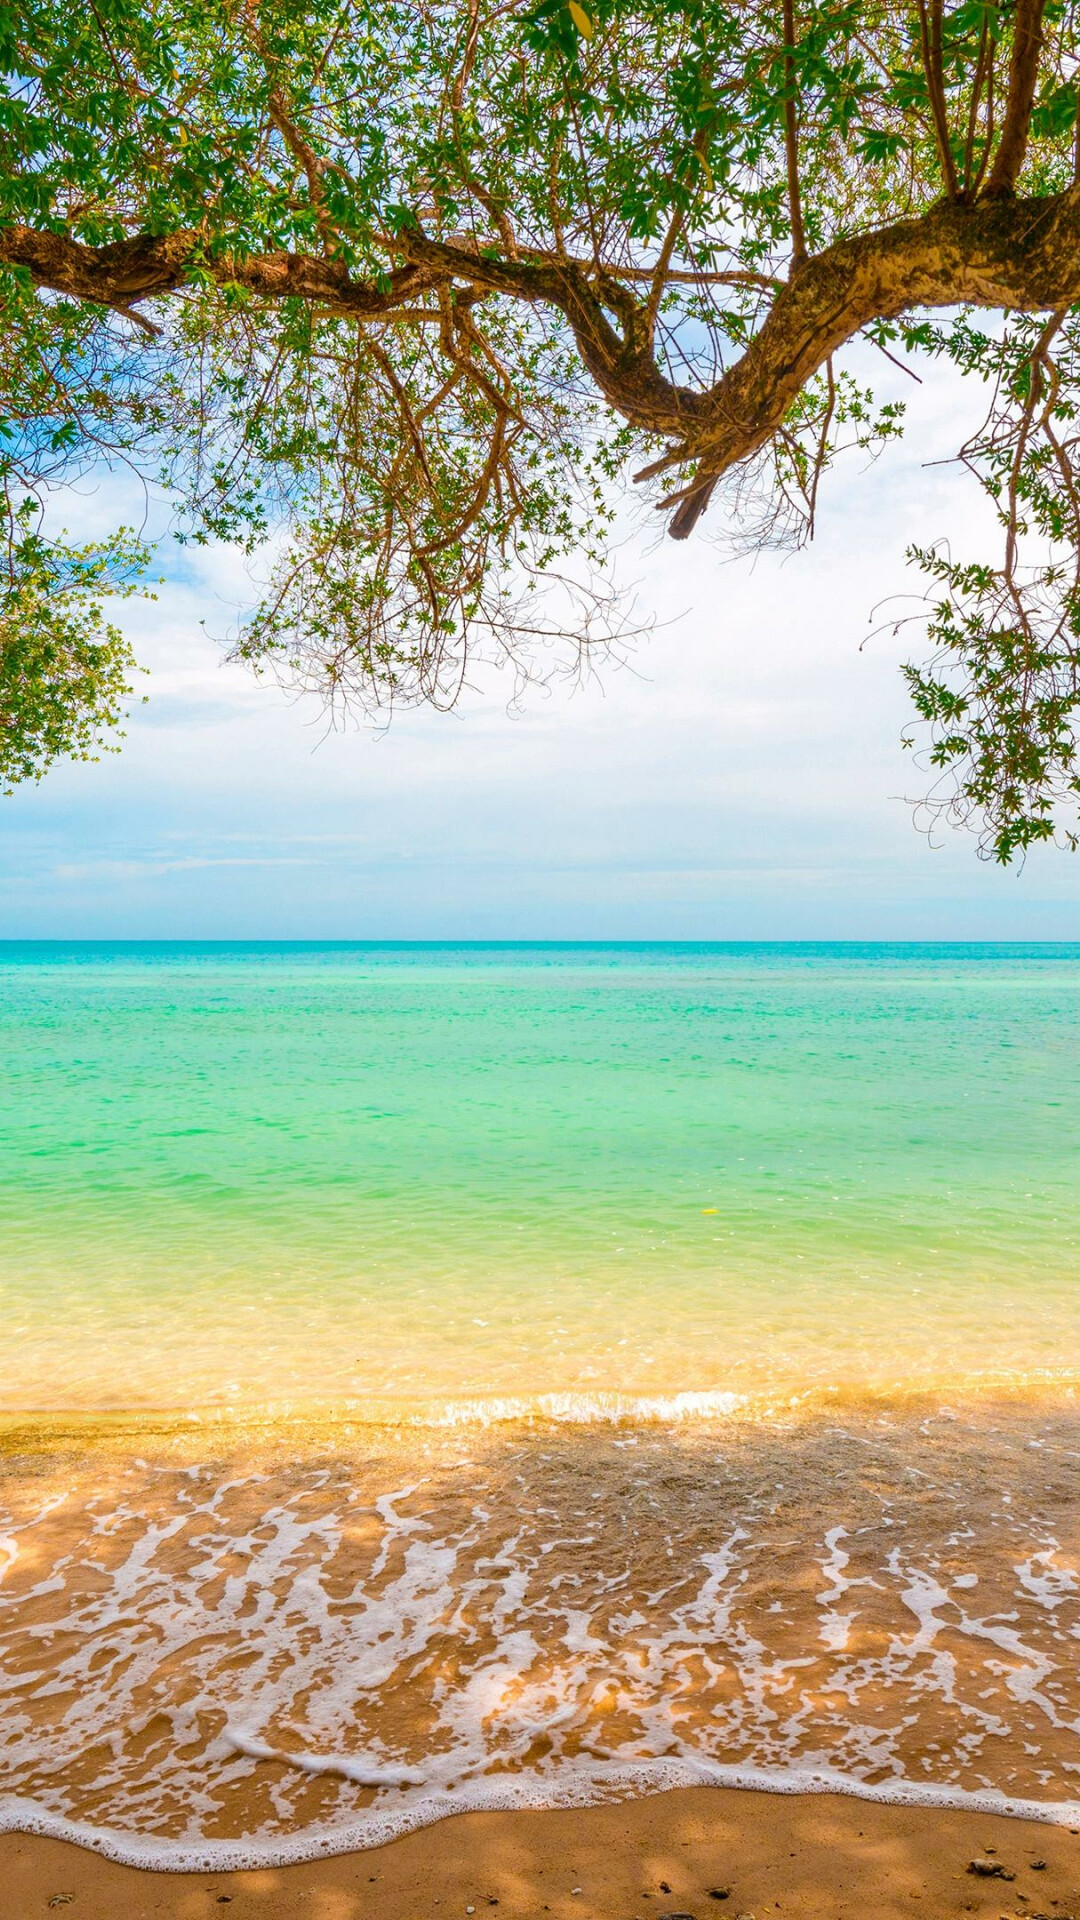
(741, 778)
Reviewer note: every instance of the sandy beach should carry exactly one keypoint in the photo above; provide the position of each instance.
(561, 1649)
(352, 1637)
(699, 1851)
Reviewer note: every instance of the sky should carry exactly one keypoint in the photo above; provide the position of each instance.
(740, 777)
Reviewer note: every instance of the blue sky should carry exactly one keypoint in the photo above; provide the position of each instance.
(742, 778)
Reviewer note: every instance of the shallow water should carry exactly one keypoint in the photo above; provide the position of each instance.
(426, 1175)
(291, 1645)
(597, 1369)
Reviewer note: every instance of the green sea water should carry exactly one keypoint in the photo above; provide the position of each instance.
(430, 1175)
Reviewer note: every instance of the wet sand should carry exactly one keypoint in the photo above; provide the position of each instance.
(695, 1851)
(369, 1634)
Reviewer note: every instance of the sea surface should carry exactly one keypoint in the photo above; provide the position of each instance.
(417, 1176)
(447, 1376)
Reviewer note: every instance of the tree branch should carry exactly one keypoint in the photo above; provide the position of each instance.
(304, 153)
(1020, 99)
(1020, 255)
(148, 267)
(984, 67)
(791, 140)
(930, 33)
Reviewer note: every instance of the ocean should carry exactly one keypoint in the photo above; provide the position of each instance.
(399, 1177)
(440, 1376)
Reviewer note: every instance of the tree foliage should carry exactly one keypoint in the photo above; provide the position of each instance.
(403, 293)
(65, 671)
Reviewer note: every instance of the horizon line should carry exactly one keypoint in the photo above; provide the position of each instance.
(504, 941)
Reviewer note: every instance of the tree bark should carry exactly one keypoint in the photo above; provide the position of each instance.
(147, 268)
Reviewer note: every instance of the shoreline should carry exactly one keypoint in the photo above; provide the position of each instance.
(625, 1785)
(689, 1851)
(44, 1430)
(345, 1644)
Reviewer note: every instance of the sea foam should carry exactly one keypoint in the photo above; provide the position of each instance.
(246, 1661)
(577, 1789)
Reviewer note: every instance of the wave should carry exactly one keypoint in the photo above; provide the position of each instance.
(570, 1787)
(23, 1429)
(587, 1409)
(321, 1652)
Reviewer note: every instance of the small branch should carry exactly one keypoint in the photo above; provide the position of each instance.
(902, 364)
(553, 200)
(991, 128)
(987, 47)
(1039, 365)
(660, 271)
(673, 276)
(496, 213)
(404, 406)
(313, 167)
(464, 72)
(471, 514)
(298, 145)
(492, 206)
(129, 84)
(791, 141)
(821, 452)
(1020, 99)
(930, 34)
(139, 320)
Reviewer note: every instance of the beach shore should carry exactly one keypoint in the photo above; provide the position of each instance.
(358, 1634)
(695, 1851)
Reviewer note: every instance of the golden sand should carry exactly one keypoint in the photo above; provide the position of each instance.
(700, 1852)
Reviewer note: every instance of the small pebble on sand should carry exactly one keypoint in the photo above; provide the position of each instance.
(989, 1869)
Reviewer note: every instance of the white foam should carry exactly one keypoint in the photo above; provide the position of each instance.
(587, 1409)
(323, 1624)
(362, 1773)
(571, 1786)
(835, 1626)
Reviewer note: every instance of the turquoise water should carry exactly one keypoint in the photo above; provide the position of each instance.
(314, 1173)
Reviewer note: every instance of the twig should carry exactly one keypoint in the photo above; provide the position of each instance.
(791, 141)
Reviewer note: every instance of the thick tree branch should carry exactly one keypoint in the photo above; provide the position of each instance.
(147, 267)
(1020, 255)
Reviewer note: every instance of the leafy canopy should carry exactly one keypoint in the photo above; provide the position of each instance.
(403, 294)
